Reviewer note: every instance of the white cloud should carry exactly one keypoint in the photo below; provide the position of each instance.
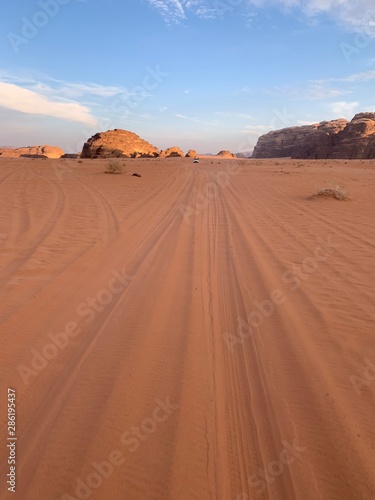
(175, 11)
(172, 11)
(355, 14)
(258, 129)
(15, 97)
(319, 90)
(196, 120)
(343, 109)
(82, 89)
(309, 91)
(357, 77)
(358, 15)
(48, 86)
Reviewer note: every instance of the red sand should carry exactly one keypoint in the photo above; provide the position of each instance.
(207, 331)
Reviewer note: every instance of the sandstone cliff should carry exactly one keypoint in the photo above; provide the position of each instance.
(357, 140)
(117, 143)
(334, 139)
(308, 141)
(32, 151)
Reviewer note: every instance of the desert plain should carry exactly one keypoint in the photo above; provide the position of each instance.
(200, 332)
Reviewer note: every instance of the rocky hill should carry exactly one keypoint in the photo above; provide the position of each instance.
(191, 153)
(171, 152)
(117, 143)
(32, 151)
(333, 139)
(226, 154)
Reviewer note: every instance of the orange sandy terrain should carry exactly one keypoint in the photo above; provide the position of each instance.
(203, 332)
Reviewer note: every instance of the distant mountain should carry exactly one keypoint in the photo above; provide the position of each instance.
(333, 139)
(244, 154)
(30, 151)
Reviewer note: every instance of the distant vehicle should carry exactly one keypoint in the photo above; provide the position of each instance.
(196, 160)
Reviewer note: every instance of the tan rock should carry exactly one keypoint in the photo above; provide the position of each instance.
(36, 151)
(226, 154)
(117, 143)
(191, 153)
(171, 152)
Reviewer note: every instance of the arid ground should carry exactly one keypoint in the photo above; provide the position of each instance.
(202, 332)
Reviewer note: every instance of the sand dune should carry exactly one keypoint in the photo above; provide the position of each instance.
(203, 332)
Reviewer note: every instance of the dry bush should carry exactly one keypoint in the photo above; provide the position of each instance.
(114, 167)
(330, 191)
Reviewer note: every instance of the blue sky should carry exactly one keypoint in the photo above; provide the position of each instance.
(202, 74)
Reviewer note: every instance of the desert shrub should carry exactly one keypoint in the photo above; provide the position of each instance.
(330, 191)
(114, 167)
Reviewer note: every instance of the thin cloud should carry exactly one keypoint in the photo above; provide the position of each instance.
(175, 11)
(172, 11)
(28, 101)
(344, 109)
(358, 15)
(309, 91)
(196, 120)
(358, 77)
(58, 89)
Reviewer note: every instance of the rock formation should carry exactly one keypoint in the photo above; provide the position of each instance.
(171, 152)
(191, 153)
(357, 140)
(226, 154)
(32, 152)
(72, 156)
(334, 139)
(117, 143)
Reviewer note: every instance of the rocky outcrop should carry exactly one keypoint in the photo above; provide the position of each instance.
(226, 154)
(357, 140)
(117, 143)
(308, 141)
(334, 139)
(71, 156)
(32, 152)
(174, 151)
(191, 153)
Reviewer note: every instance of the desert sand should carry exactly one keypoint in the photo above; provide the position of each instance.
(202, 332)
